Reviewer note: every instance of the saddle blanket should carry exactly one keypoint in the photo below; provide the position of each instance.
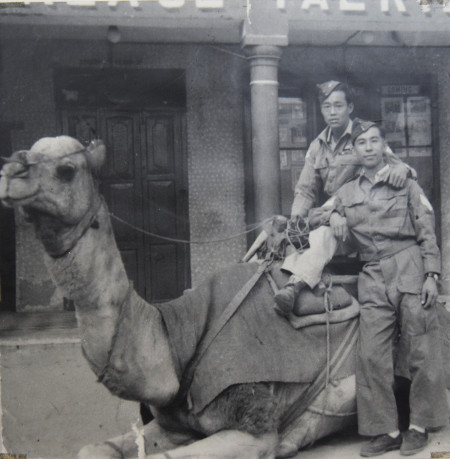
(256, 345)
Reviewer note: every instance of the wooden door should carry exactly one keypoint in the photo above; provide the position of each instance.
(144, 184)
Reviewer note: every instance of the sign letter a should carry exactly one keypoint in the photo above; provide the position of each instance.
(322, 3)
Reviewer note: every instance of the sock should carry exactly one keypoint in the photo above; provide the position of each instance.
(394, 434)
(294, 279)
(416, 427)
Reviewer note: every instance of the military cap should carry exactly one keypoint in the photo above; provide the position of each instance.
(360, 126)
(325, 89)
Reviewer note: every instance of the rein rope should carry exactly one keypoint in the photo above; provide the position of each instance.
(184, 241)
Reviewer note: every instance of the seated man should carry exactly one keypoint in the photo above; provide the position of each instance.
(393, 231)
(330, 162)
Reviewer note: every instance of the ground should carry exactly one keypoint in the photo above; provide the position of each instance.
(347, 446)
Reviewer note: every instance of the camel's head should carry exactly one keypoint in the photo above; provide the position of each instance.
(52, 179)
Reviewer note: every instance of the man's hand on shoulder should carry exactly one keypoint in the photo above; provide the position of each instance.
(339, 226)
(397, 175)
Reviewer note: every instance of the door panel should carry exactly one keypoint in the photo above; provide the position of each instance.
(160, 145)
(121, 141)
(121, 185)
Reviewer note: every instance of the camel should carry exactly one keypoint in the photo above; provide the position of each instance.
(242, 398)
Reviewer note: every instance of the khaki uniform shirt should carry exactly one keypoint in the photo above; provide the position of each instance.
(327, 169)
(384, 220)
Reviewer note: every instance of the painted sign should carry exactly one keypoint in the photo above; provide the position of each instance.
(358, 6)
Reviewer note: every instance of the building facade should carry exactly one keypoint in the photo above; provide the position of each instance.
(207, 108)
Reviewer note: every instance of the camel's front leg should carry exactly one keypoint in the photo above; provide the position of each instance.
(227, 444)
(137, 443)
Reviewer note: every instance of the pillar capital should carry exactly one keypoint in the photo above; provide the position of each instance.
(269, 52)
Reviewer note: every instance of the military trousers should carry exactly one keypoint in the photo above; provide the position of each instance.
(308, 265)
(390, 297)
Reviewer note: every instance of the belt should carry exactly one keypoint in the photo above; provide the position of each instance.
(396, 247)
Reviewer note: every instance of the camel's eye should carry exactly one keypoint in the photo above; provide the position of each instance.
(66, 173)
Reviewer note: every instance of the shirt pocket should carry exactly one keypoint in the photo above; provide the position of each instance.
(355, 208)
(392, 209)
(352, 200)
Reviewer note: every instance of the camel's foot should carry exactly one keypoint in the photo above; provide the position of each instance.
(139, 442)
(286, 449)
(227, 444)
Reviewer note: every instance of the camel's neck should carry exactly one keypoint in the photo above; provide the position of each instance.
(93, 276)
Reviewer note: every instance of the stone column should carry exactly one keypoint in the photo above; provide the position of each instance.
(264, 61)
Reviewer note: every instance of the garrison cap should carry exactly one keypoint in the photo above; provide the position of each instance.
(360, 126)
(325, 89)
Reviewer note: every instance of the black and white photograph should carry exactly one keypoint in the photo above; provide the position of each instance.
(224, 230)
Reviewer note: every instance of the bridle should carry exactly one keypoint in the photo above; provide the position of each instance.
(74, 233)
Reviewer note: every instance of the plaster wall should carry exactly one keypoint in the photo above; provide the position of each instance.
(215, 149)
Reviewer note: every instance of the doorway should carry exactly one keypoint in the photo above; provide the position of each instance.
(144, 182)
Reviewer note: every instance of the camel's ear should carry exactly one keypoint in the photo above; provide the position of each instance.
(19, 156)
(96, 154)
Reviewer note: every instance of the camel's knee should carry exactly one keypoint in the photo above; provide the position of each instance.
(100, 451)
(227, 444)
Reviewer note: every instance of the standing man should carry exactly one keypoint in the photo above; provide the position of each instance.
(330, 162)
(393, 231)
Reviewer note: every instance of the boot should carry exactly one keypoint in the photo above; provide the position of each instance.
(285, 298)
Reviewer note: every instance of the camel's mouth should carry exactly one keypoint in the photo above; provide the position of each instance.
(17, 201)
(16, 186)
(17, 191)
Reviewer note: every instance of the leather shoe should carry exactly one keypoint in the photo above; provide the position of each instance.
(380, 445)
(413, 442)
(285, 299)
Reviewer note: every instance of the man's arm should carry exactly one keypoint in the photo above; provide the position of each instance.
(332, 214)
(422, 217)
(308, 186)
